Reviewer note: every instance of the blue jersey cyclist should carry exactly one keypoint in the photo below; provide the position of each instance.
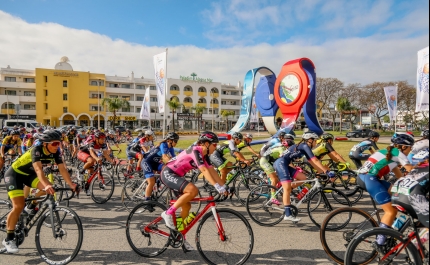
(357, 151)
(376, 167)
(156, 158)
(274, 142)
(287, 173)
(420, 145)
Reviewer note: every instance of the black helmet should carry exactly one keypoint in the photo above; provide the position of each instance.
(140, 135)
(373, 134)
(208, 136)
(100, 135)
(172, 136)
(282, 135)
(63, 131)
(49, 136)
(403, 139)
(327, 136)
(14, 132)
(426, 134)
(237, 135)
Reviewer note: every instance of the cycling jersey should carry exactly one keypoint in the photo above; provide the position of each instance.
(416, 148)
(269, 144)
(228, 147)
(24, 164)
(9, 143)
(26, 143)
(64, 139)
(91, 144)
(112, 139)
(79, 137)
(269, 157)
(154, 157)
(243, 144)
(378, 165)
(285, 172)
(71, 137)
(358, 149)
(322, 149)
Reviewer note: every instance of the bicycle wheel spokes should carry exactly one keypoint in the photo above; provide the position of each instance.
(340, 227)
(146, 237)
(262, 209)
(5, 207)
(245, 185)
(62, 247)
(102, 188)
(132, 193)
(238, 238)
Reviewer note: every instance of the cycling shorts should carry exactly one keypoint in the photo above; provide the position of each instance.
(357, 162)
(15, 182)
(149, 168)
(83, 156)
(173, 181)
(378, 189)
(133, 154)
(284, 171)
(217, 159)
(266, 166)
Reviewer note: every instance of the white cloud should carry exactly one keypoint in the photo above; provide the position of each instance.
(379, 58)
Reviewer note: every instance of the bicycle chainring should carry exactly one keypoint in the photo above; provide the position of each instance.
(176, 239)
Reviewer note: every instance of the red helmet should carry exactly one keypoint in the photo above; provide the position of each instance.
(29, 136)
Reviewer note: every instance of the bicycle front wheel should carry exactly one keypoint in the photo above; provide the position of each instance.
(226, 238)
(397, 249)
(62, 246)
(262, 209)
(102, 188)
(132, 193)
(5, 207)
(245, 185)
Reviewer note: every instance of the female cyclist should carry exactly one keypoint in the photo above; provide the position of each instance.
(357, 151)
(325, 147)
(422, 144)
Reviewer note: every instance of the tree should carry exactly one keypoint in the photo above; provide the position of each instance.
(373, 99)
(226, 113)
(174, 105)
(114, 104)
(327, 93)
(406, 95)
(343, 105)
(198, 109)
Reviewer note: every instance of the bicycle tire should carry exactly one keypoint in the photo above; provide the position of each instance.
(318, 214)
(260, 210)
(99, 186)
(136, 235)
(204, 241)
(244, 186)
(354, 194)
(392, 235)
(59, 198)
(72, 224)
(336, 236)
(128, 198)
(5, 207)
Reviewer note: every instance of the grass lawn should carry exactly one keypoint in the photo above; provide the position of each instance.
(342, 147)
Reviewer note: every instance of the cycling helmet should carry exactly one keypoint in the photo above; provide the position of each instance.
(29, 136)
(421, 156)
(208, 136)
(49, 136)
(149, 133)
(426, 134)
(237, 135)
(22, 129)
(248, 135)
(140, 135)
(287, 142)
(373, 134)
(33, 131)
(310, 135)
(40, 129)
(14, 132)
(282, 135)
(63, 131)
(172, 136)
(99, 135)
(403, 139)
(327, 136)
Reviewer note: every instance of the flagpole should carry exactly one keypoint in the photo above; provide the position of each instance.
(395, 116)
(165, 91)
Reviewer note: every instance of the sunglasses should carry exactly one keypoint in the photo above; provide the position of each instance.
(54, 144)
(214, 145)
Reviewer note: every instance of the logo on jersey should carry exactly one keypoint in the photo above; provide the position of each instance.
(170, 178)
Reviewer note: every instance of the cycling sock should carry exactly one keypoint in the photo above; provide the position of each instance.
(273, 194)
(171, 210)
(380, 239)
(10, 235)
(147, 198)
(287, 210)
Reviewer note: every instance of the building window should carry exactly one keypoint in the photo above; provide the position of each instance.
(96, 96)
(126, 110)
(154, 99)
(138, 110)
(128, 98)
(65, 110)
(46, 105)
(125, 85)
(152, 88)
(11, 92)
(95, 108)
(10, 79)
(29, 107)
(95, 83)
(64, 96)
(29, 80)
(153, 110)
(140, 87)
(139, 98)
(46, 78)
(46, 92)
(223, 103)
(29, 94)
(8, 106)
(113, 96)
(113, 85)
(64, 83)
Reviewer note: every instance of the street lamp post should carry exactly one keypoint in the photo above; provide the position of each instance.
(213, 114)
(98, 107)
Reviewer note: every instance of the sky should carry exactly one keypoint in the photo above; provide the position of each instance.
(360, 41)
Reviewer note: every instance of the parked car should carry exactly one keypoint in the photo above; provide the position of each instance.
(120, 128)
(142, 129)
(363, 133)
(260, 128)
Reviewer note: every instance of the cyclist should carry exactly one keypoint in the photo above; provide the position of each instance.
(27, 170)
(287, 173)
(79, 139)
(64, 140)
(134, 151)
(377, 166)
(247, 139)
(71, 135)
(128, 134)
(27, 142)
(325, 147)
(22, 132)
(356, 154)
(110, 139)
(172, 175)
(5, 132)
(422, 144)
(89, 153)
(156, 158)
(275, 141)
(9, 145)
(217, 157)
(270, 156)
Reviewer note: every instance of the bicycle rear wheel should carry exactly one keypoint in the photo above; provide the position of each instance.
(129, 195)
(260, 208)
(326, 203)
(146, 232)
(62, 247)
(238, 238)
(340, 227)
(5, 207)
(245, 185)
(102, 188)
(362, 249)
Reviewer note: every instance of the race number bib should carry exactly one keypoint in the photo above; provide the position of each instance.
(404, 186)
(366, 167)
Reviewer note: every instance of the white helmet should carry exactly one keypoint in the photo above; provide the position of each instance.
(248, 135)
(310, 135)
(149, 132)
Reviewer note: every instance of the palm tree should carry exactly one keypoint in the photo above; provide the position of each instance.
(226, 113)
(343, 104)
(174, 105)
(114, 104)
(198, 109)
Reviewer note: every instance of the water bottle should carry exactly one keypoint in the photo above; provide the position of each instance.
(302, 193)
(23, 218)
(345, 175)
(231, 174)
(181, 224)
(424, 237)
(399, 222)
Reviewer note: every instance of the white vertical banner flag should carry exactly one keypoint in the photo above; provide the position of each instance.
(423, 80)
(391, 96)
(145, 111)
(160, 79)
(254, 111)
